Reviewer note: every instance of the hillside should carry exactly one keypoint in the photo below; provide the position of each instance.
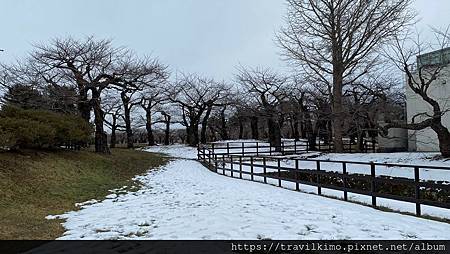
(35, 184)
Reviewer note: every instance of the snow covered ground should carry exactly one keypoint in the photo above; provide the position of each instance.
(394, 158)
(178, 151)
(425, 159)
(184, 200)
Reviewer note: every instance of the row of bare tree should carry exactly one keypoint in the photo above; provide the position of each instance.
(341, 83)
(88, 69)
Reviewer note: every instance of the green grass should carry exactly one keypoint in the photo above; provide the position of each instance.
(34, 184)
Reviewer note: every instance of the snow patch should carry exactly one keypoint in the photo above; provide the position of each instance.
(177, 151)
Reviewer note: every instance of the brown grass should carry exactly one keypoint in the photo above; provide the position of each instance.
(34, 184)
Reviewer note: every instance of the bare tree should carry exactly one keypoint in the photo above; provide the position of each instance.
(24, 85)
(336, 41)
(218, 96)
(195, 98)
(138, 77)
(166, 119)
(151, 99)
(219, 121)
(88, 64)
(113, 114)
(268, 91)
(422, 78)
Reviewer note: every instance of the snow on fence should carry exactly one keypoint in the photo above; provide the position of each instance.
(416, 184)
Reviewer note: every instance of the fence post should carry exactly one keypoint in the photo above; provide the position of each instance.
(307, 146)
(240, 167)
(224, 164)
(251, 168)
(264, 169)
(417, 182)
(243, 148)
(204, 154)
(297, 185)
(372, 185)
(257, 148)
(232, 166)
(213, 149)
(344, 179)
(215, 163)
(228, 148)
(319, 188)
(282, 148)
(209, 156)
(295, 146)
(319, 145)
(279, 171)
(198, 151)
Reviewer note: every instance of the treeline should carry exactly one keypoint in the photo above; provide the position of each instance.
(92, 86)
(342, 84)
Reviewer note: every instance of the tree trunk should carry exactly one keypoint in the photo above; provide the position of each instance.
(311, 134)
(101, 142)
(295, 131)
(205, 125)
(148, 127)
(84, 106)
(337, 109)
(192, 138)
(360, 141)
(113, 133)
(241, 128)
(223, 128)
(128, 130)
(127, 119)
(195, 136)
(274, 133)
(443, 137)
(189, 137)
(167, 132)
(302, 130)
(254, 127)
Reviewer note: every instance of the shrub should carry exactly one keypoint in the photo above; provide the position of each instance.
(22, 128)
(7, 140)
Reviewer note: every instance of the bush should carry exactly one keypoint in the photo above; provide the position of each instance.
(22, 128)
(7, 140)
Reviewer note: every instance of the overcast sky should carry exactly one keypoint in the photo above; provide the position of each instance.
(210, 37)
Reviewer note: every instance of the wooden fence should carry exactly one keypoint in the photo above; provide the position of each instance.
(286, 148)
(261, 167)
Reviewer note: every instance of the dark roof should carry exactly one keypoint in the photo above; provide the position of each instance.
(438, 57)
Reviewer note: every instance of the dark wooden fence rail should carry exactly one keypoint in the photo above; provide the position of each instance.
(234, 164)
(254, 148)
(286, 148)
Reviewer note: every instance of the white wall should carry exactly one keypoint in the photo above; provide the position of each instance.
(426, 140)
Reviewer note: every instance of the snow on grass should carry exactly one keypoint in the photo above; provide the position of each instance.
(177, 151)
(184, 200)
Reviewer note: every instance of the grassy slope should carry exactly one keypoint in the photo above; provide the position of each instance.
(36, 184)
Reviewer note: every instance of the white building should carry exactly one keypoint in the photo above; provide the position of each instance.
(426, 140)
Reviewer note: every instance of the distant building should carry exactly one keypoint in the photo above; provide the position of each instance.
(426, 140)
